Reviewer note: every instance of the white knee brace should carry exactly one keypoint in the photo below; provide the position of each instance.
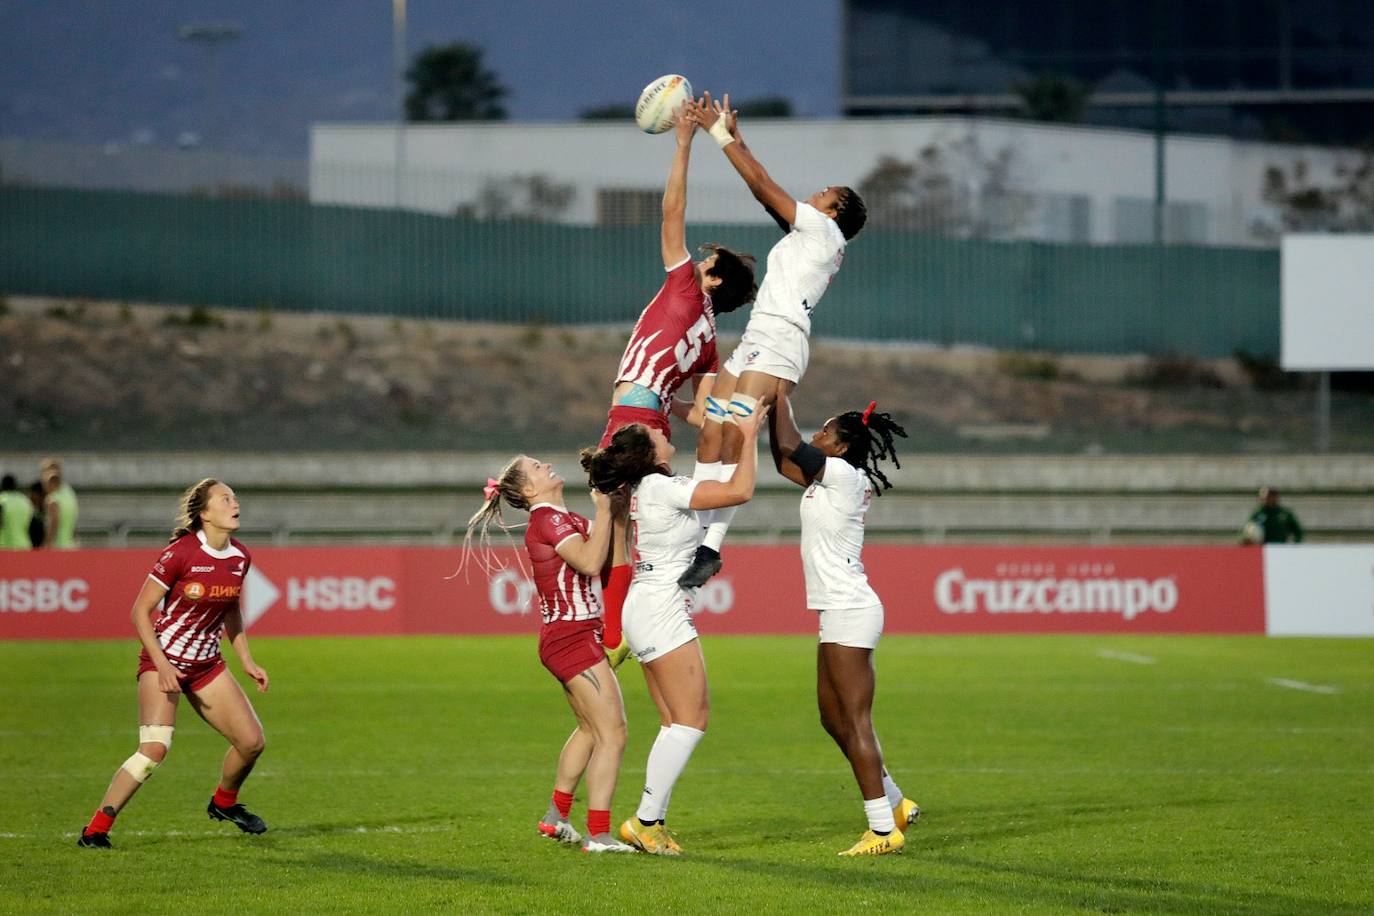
(140, 766)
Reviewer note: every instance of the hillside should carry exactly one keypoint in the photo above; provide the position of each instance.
(102, 376)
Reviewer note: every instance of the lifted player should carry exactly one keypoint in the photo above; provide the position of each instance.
(673, 341)
(772, 355)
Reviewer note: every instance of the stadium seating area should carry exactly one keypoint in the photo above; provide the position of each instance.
(420, 498)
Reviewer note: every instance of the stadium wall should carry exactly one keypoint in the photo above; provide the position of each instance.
(897, 286)
(1290, 591)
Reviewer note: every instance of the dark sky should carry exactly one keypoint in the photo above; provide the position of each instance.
(103, 70)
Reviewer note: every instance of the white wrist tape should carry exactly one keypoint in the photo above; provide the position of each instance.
(721, 133)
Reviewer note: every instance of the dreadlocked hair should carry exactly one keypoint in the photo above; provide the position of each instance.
(869, 444)
(624, 462)
(510, 488)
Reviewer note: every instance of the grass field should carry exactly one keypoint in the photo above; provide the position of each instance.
(1058, 774)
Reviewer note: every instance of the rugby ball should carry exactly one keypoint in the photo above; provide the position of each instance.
(658, 101)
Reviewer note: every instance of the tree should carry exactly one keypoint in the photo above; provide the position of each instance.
(449, 83)
(1052, 97)
(1346, 205)
(950, 188)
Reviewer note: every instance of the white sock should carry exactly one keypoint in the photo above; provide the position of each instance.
(721, 518)
(706, 470)
(667, 759)
(894, 794)
(879, 815)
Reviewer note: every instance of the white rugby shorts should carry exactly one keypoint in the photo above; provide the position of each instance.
(657, 619)
(858, 627)
(772, 346)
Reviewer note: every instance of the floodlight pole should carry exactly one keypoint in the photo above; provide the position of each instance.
(212, 35)
(398, 63)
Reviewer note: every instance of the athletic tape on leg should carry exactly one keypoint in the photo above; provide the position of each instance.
(156, 734)
(742, 405)
(716, 411)
(139, 766)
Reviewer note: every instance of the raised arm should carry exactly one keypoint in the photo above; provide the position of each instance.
(674, 235)
(739, 489)
(723, 125)
(783, 439)
(587, 554)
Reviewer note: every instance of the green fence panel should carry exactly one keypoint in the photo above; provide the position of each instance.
(895, 286)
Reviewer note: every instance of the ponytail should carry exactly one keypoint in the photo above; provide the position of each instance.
(193, 502)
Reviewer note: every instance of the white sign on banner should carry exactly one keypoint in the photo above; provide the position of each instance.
(1319, 590)
(1327, 303)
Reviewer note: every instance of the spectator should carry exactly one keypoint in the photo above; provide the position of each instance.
(15, 512)
(1271, 523)
(60, 507)
(38, 525)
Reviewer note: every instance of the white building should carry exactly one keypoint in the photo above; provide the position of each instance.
(1074, 184)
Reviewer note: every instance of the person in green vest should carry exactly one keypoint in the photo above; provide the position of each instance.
(15, 513)
(1271, 523)
(60, 507)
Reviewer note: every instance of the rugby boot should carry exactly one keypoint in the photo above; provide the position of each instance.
(94, 841)
(237, 815)
(905, 812)
(871, 844)
(556, 827)
(705, 564)
(651, 839)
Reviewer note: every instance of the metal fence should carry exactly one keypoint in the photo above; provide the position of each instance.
(268, 249)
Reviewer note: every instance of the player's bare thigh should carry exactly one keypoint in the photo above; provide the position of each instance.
(225, 708)
(596, 701)
(154, 706)
(681, 678)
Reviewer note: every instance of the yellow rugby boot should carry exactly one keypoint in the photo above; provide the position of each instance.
(870, 844)
(673, 847)
(905, 812)
(651, 839)
(616, 655)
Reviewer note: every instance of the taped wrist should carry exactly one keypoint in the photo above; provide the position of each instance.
(809, 458)
(720, 133)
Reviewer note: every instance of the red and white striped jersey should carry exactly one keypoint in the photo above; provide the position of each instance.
(564, 593)
(674, 338)
(203, 584)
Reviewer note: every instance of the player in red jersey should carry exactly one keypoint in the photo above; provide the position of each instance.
(673, 341)
(565, 552)
(201, 575)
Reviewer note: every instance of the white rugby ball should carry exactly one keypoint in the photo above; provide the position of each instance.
(658, 101)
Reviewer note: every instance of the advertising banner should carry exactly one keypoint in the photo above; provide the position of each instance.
(88, 594)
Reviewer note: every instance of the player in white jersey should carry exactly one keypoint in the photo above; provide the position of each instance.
(566, 553)
(775, 349)
(657, 618)
(839, 468)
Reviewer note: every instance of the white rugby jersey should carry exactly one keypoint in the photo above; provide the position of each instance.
(832, 537)
(800, 268)
(664, 530)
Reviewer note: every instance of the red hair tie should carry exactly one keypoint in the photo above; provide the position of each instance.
(492, 488)
(868, 411)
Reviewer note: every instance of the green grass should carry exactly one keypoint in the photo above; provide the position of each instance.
(407, 775)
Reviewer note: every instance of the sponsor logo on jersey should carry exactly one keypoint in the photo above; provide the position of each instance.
(193, 590)
(225, 591)
(557, 519)
(200, 569)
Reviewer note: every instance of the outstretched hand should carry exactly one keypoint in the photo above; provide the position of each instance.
(683, 123)
(707, 111)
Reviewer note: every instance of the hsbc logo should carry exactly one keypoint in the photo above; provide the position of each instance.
(717, 596)
(43, 596)
(509, 592)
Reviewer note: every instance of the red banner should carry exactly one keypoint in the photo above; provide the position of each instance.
(88, 594)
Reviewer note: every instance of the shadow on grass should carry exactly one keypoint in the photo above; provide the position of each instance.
(355, 866)
(1065, 885)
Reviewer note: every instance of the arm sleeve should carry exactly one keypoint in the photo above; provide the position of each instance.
(675, 492)
(682, 279)
(837, 472)
(167, 569)
(814, 227)
(809, 458)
